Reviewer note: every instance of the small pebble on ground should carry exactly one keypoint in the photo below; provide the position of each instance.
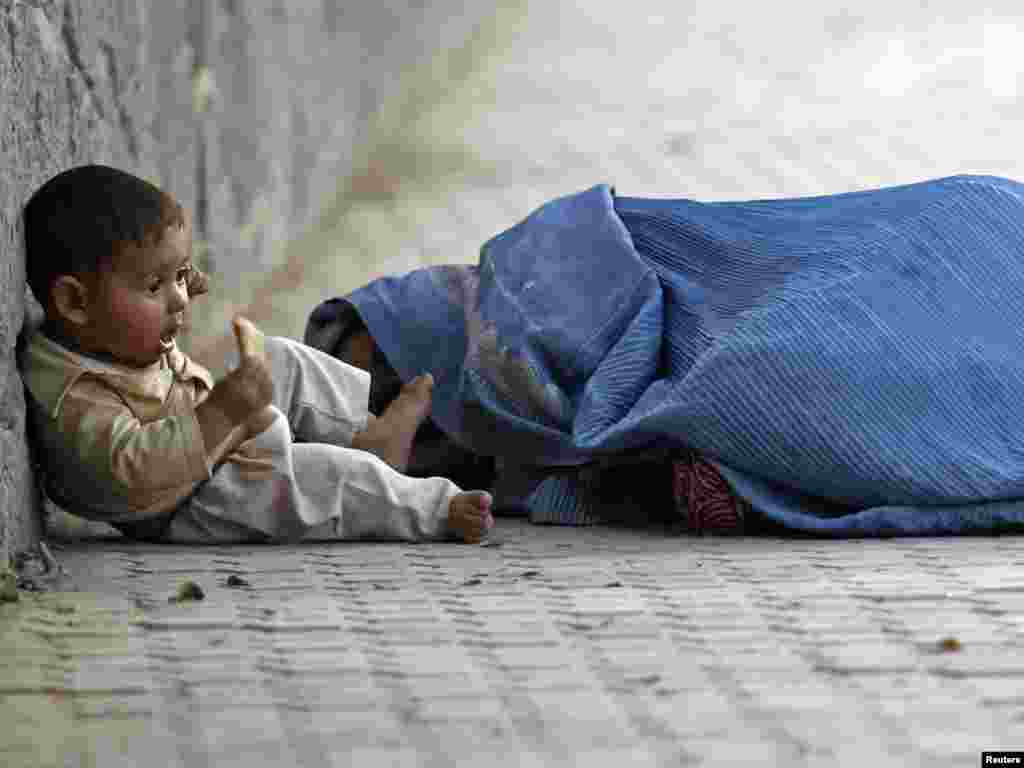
(187, 591)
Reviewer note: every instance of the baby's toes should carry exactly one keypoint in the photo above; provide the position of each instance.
(479, 500)
(421, 386)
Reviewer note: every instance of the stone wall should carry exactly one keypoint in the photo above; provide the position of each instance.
(250, 112)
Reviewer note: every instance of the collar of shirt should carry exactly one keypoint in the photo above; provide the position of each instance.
(50, 369)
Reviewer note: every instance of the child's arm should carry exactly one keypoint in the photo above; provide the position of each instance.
(115, 466)
(121, 467)
(216, 426)
(242, 396)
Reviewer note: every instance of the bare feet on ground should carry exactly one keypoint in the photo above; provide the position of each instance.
(469, 515)
(390, 435)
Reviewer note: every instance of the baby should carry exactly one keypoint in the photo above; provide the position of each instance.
(133, 432)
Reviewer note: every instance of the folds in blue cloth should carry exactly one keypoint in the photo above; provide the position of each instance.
(852, 363)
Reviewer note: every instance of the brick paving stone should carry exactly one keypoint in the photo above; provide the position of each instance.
(400, 757)
(355, 728)
(997, 692)
(947, 737)
(744, 749)
(981, 661)
(867, 658)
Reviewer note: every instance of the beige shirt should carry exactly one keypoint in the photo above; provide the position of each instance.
(119, 444)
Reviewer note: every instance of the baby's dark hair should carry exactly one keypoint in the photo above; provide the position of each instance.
(78, 220)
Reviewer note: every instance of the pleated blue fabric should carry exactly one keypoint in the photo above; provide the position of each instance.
(852, 364)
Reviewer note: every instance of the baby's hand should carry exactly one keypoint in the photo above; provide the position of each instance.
(197, 283)
(250, 387)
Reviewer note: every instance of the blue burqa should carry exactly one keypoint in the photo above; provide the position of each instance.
(853, 364)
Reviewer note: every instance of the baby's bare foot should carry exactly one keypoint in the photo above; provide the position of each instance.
(469, 515)
(390, 435)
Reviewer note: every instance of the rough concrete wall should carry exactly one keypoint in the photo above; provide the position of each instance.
(249, 112)
(292, 89)
(79, 82)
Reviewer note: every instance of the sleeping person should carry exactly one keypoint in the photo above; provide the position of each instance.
(841, 365)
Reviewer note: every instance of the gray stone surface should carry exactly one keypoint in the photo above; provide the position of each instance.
(562, 646)
(295, 86)
(64, 68)
(249, 113)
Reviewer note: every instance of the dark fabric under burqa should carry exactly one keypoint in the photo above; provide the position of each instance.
(853, 364)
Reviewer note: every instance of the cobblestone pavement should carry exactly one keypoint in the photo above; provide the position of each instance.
(574, 646)
(559, 647)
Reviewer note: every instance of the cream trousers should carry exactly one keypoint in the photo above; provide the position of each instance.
(300, 480)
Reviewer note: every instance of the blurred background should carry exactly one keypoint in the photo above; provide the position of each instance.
(709, 99)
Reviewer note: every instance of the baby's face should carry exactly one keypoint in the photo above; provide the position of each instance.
(140, 304)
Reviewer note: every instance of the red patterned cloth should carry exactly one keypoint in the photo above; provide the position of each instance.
(704, 499)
